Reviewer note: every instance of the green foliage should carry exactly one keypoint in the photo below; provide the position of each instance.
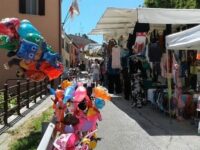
(172, 3)
(29, 138)
(11, 103)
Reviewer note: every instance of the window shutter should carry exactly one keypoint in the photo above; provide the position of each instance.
(22, 6)
(41, 7)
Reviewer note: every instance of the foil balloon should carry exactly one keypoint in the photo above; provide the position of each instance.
(52, 58)
(50, 71)
(8, 26)
(7, 43)
(84, 125)
(35, 38)
(80, 94)
(69, 129)
(60, 111)
(69, 93)
(59, 94)
(66, 142)
(35, 75)
(14, 21)
(102, 93)
(99, 103)
(65, 84)
(51, 90)
(27, 50)
(25, 28)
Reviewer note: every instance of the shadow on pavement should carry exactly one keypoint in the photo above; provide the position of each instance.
(153, 121)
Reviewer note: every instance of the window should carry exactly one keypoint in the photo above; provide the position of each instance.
(34, 7)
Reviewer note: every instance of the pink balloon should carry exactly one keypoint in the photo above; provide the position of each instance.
(66, 141)
(80, 94)
(85, 125)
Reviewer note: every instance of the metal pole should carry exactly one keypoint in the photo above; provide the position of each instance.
(35, 91)
(18, 97)
(5, 104)
(28, 93)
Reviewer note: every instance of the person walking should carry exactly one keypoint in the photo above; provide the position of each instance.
(82, 66)
(95, 68)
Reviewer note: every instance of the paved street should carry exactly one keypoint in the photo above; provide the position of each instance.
(124, 128)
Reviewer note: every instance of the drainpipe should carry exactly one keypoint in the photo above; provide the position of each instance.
(60, 31)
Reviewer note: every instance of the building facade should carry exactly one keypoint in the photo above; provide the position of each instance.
(76, 48)
(43, 14)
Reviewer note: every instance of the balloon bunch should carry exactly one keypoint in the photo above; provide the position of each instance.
(77, 115)
(34, 57)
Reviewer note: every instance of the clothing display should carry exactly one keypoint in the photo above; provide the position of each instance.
(116, 54)
(140, 42)
(155, 52)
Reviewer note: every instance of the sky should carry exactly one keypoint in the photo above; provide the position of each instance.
(90, 13)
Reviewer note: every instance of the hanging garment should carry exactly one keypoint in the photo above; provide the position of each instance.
(130, 41)
(178, 83)
(140, 42)
(116, 63)
(163, 65)
(155, 52)
(141, 27)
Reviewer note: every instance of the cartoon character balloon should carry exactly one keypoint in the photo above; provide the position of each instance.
(26, 27)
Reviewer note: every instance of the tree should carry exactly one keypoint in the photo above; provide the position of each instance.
(172, 3)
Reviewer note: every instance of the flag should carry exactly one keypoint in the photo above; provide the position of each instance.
(74, 9)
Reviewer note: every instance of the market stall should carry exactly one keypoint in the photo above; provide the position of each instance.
(187, 41)
(116, 23)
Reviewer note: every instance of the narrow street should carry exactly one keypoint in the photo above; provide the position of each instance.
(124, 128)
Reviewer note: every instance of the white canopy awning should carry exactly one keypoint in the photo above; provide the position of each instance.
(185, 40)
(168, 16)
(116, 20)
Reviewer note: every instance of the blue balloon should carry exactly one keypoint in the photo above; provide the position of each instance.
(69, 129)
(27, 50)
(99, 103)
(26, 27)
(51, 58)
(69, 93)
(51, 90)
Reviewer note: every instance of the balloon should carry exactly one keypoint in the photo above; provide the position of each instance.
(92, 144)
(99, 103)
(60, 111)
(35, 75)
(8, 44)
(25, 28)
(59, 94)
(8, 26)
(8, 21)
(50, 71)
(52, 58)
(69, 93)
(69, 129)
(65, 84)
(27, 50)
(35, 38)
(51, 90)
(102, 93)
(85, 125)
(80, 94)
(66, 141)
